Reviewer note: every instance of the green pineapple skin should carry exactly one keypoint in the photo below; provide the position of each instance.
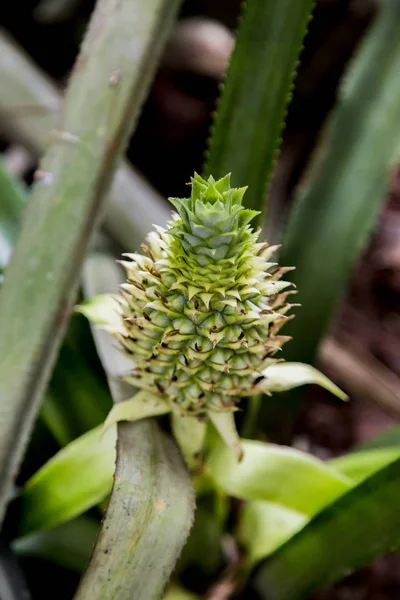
(203, 306)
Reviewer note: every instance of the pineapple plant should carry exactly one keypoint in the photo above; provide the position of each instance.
(200, 316)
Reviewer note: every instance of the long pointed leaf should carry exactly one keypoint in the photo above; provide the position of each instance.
(117, 60)
(264, 526)
(250, 113)
(330, 224)
(349, 533)
(360, 465)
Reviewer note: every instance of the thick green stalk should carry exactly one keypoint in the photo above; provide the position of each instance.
(249, 119)
(30, 105)
(331, 222)
(105, 92)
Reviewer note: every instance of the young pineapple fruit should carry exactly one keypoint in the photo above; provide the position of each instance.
(200, 315)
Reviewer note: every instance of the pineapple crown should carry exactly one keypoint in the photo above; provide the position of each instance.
(212, 221)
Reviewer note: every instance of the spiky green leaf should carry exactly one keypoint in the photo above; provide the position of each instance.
(331, 222)
(251, 110)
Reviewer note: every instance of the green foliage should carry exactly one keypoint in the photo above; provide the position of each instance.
(147, 520)
(56, 494)
(271, 473)
(250, 113)
(362, 464)
(264, 527)
(68, 410)
(331, 221)
(283, 490)
(67, 545)
(349, 533)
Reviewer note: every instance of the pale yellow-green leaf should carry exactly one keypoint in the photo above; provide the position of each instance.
(288, 375)
(190, 433)
(224, 423)
(103, 310)
(279, 474)
(140, 406)
(359, 465)
(264, 526)
(75, 479)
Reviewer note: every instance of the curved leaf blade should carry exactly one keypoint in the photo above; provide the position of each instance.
(288, 375)
(361, 464)
(152, 499)
(75, 479)
(278, 474)
(362, 524)
(264, 526)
